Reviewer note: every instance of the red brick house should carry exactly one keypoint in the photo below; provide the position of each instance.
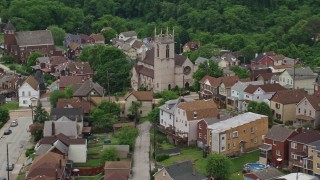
(74, 50)
(21, 44)
(276, 147)
(298, 148)
(96, 39)
(48, 64)
(264, 59)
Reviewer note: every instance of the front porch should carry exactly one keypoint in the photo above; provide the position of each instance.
(173, 136)
(265, 154)
(303, 120)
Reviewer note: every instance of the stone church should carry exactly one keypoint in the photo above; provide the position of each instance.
(160, 68)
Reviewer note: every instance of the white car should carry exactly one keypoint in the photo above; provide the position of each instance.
(14, 123)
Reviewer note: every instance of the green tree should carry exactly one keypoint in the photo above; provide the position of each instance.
(218, 166)
(7, 59)
(134, 110)
(211, 69)
(154, 115)
(57, 34)
(36, 130)
(167, 95)
(109, 35)
(110, 108)
(55, 95)
(127, 136)
(40, 114)
(252, 106)
(68, 91)
(4, 115)
(241, 72)
(32, 58)
(260, 108)
(109, 154)
(102, 121)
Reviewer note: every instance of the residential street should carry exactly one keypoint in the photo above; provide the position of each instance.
(17, 139)
(141, 162)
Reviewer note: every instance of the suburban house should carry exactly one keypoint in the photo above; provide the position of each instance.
(227, 60)
(71, 68)
(127, 35)
(264, 59)
(9, 85)
(87, 90)
(120, 170)
(187, 116)
(66, 81)
(280, 68)
(294, 175)
(308, 112)
(261, 93)
(74, 149)
(179, 171)
(299, 148)
(190, 46)
(145, 98)
(62, 125)
(71, 38)
(225, 90)
(21, 44)
(275, 149)
(48, 64)
(73, 50)
(96, 39)
(49, 165)
(129, 51)
(314, 153)
(237, 94)
(283, 104)
(74, 103)
(298, 78)
(317, 86)
(160, 68)
(73, 114)
(29, 92)
(238, 134)
(167, 114)
(278, 59)
(255, 72)
(268, 78)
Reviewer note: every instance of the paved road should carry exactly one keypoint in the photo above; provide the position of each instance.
(141, 161)
(17, 140)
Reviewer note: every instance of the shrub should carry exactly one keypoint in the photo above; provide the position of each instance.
(278, 121)
(157, 95)
(12, 67)
(29, 151)
(162, 157)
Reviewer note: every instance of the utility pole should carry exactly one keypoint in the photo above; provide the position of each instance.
(108, 86)
(154, 140)
(294, 74)
(8, 170)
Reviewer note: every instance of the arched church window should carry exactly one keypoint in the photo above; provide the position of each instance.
(167, 51)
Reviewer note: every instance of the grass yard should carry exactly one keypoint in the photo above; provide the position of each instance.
(18, 67)
(97, 177)
(196, 154)
(95, 150)
(11, 105)
(21, 176)
(166, 145)
(1, 37)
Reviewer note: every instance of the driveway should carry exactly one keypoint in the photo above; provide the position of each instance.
(17, 139)
(141, 161)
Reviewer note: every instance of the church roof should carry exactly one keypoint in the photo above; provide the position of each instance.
(27, 38)
(10, 26)
(144, 71)
(179, 59)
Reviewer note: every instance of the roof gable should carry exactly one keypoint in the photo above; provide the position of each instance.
(32, 83)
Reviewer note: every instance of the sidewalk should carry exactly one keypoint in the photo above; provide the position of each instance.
(19, 164)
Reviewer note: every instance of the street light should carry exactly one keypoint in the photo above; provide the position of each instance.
(30, 106)
(8, 169)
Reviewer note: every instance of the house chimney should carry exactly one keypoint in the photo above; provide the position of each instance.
(53, 128)
(193, 169)
(218, 116)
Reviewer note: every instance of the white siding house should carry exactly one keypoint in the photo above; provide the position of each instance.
(29, 92)
(78, 153)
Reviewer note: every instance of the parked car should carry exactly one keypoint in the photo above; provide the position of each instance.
(14, 123)
(10, 167)
(7, 132)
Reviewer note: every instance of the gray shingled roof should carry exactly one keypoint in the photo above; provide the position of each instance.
(26, 38)
(71, 113)
(183, 171)
(171, 105)
(43, 148)
(201, 60)
(60, 146)
(87, 87)
(68, 128)
(302, 73)
(10, 26)
(268, 173)
(241, 86)
(279, 133)
(129, 33)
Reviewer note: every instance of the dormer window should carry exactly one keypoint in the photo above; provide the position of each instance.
(195, 114)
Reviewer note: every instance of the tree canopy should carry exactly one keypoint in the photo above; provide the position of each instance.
(57, 34)
(218, 166)
(210, 68)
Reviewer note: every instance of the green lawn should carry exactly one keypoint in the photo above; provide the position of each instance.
(18, 67)
(166, 145)
(97, 177)
(11, 105)
(1, 37)
(196, 154)
(21, 176)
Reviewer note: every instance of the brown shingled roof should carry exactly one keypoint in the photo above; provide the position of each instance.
(141, 95)
(66, 81)
(73, 45)
(266, 88)
(97, 37)
(32, 82)
(215, 82)
(306, 136)
(314, 101)
(55, 60)
(179, 59)
(289, 96)
(278, 57)
(203, 109)
(268, 76)
(75, 103)
(117, 165)
(137, 44)
(229, 81)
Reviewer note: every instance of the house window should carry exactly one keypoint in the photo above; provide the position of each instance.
(167, 51)
(24, 102)
(228, 146)
(164, 173)
(22, 93)
(176, 119)
(161, 112)
(293, 156)
(262, 137)
(244, 131)
(257, 97)
(299, 110)
(234, 145)
(199, 126)
(310, 113)
(186, 124)
(277, 105)
(304, 148)
(222, 138)
(278, 152)
(199, 135)
(184, 113)
(161, 121)
(178, 111)
(318, 154)
(222, 148)
(255, 140)
(210, 133)
(318, 165)
(305, 103)
(170, 116)
(235, 134)
(293, 145)
(141, 113)
(291, 82)
(274, 143)
(195, 114)
(305, 111)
